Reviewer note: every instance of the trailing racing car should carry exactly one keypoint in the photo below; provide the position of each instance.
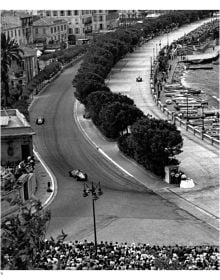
(78, 175)
(139, 79)
(40, 120)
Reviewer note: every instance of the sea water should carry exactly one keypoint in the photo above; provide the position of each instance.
(205, 80)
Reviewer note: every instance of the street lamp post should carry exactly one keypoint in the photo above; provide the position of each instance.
(203, 126)
(86, 191)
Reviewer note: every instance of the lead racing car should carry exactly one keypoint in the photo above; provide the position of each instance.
(78, 175)
(139, 79)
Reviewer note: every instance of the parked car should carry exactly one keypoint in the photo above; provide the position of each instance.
(78, 175)
(40, 120)
(139, 79)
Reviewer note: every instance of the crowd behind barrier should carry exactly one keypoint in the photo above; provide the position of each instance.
(78, 255)
(11, 172)
(199, 34)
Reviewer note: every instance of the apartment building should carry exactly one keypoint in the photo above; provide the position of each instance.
(18, 26)
(83, 23)
(103, 20)
(22, 74)
(50, 30)
(79, 21)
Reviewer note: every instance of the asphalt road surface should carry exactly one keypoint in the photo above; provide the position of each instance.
(127, 211)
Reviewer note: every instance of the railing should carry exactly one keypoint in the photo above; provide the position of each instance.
(207, 138)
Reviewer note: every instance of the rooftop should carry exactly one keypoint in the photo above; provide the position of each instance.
(29, 52)
(13, 123)
(48, 21)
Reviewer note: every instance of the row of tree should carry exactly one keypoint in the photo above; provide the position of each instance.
(154, 144)
(112, 113)
(46, 74)
(65, 55)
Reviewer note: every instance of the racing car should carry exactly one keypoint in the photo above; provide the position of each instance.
(40, 120)
(78, 175)
(139, 79)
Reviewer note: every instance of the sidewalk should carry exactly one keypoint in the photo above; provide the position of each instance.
(42, 179)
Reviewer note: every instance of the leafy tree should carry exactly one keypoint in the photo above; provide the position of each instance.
(10, 51)
(97, 100)
(116, 117)
(22, 106)
(23, 235)
(93, 67)
(153, 143)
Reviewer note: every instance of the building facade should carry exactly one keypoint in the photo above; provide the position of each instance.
(50, 30)
(18, 26)
(104, 20)
(16, 137)
(22, 74)
(82, 23)
(79, 21)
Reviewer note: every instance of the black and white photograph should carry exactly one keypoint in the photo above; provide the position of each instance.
(109, 138)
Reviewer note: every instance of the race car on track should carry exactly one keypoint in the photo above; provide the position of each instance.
(40, 120)
(78, 175)
(138, 79)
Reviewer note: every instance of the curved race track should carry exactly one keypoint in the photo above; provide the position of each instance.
(127, 211)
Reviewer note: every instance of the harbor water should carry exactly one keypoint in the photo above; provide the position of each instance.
(206, 80)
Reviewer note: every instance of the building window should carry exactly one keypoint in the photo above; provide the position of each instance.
(100, 26)
(11, 33)
(19, 32)
(15, 32)
(36, 30)
(51, 29)
(55, 29)
(44, 30)
(48, 13)
(55, 13)
(64, 27)
(55, 38)
(62, 13)
(69, 13)
(58, 28)
(61, 27)
(100, 18)
(65, 36)
(75, 13)
(76, 30)
(100, 11)
(59, 37)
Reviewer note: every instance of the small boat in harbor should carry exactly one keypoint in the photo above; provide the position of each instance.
(200, 67)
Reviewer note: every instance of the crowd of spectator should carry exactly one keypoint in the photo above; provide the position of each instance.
(199, 34)
(80, 255)
(12, 171)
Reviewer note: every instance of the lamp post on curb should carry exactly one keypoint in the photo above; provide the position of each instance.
(92, 189)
